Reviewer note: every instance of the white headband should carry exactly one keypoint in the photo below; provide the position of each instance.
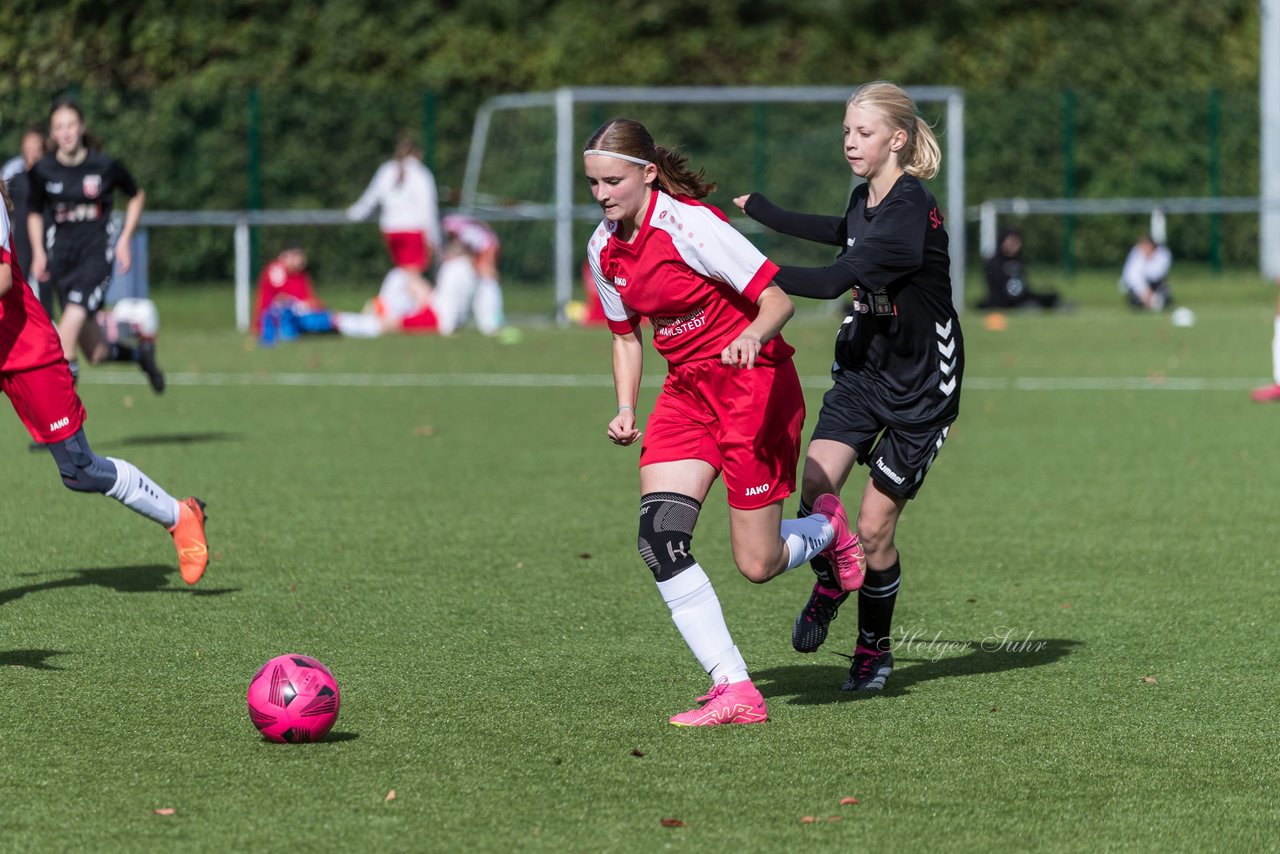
(626, 157)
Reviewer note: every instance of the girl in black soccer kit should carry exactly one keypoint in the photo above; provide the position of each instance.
(899, 354)
(74, 187)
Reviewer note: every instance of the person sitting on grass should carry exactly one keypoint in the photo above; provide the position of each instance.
(404, 304)
(287, 301)
(1007, 284)
(1145, 278)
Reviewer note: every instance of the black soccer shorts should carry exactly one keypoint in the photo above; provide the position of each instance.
(81, 272)
(898, 458)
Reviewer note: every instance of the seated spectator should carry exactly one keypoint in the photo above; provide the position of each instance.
(467, 281)
(1145, 279)
(287, 301)
(403, 304)
(1007, 284)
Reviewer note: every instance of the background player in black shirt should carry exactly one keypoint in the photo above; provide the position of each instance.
(899, 354)
(73, 188)
(17, 182)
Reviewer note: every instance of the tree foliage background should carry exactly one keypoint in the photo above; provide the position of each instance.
(231, 103)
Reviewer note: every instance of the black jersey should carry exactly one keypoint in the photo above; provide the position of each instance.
(18, 187)
(902, 341)
(77, 200)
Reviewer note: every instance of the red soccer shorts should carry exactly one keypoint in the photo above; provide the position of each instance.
(46, 401)
(408, 249)
(423, 321)
(744, 422)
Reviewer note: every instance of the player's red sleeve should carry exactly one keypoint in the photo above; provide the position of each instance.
(760, 280)
(624, 327)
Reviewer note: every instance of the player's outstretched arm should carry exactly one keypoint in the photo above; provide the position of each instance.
(815, 227)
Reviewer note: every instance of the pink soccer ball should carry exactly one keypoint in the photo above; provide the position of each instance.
(293, 699)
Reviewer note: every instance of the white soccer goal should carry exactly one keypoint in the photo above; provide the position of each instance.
(538, 134)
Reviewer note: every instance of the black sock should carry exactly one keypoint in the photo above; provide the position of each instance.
(121, 353)
(821, 566)
(875, 606)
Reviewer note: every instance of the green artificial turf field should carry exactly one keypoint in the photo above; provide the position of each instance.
(1087, 627)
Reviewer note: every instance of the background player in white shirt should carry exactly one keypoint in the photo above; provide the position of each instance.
(404, 191)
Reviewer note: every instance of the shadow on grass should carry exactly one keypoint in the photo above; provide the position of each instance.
(36, 659)
(153, 578)
(172, 439)
(819, 683)
(331, 738)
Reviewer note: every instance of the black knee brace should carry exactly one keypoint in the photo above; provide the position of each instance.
(666, 532)
(82, 469)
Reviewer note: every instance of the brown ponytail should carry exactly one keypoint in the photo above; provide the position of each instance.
(629, 137)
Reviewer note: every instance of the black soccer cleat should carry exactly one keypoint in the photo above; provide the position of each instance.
(147, 361)
(869, 670)
(811, 626)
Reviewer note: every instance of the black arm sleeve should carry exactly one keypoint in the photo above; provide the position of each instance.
(891, 249)
(815, 227)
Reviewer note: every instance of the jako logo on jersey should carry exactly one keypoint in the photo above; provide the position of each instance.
(92, 185)
(61, 422)
(758, 490)
(889, 473)
(935, 218)
(619, 282)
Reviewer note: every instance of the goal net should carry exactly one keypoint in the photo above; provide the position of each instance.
(524, 170)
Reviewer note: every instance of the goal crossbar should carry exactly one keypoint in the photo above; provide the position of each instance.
(563, 101)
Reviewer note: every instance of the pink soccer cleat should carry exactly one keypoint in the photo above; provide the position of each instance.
(739, 703)
(1266, 394)
(845, 552)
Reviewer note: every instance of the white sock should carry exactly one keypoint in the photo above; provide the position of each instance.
(488, 306)
(695, 609)
(1275, 353)
(140, 494)
(358, 325)
(806, 538)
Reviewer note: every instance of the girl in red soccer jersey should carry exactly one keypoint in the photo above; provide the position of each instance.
(731, 404)
(899, 355)
(73, 188)
(35, 377)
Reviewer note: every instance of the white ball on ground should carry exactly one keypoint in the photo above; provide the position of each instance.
(1183, 316)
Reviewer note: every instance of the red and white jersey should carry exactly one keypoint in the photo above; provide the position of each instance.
(27, 336)
(475, 235)
(691, 273)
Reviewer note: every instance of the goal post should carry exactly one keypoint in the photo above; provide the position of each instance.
(555, 202)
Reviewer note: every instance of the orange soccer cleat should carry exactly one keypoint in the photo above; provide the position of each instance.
(188, 536)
